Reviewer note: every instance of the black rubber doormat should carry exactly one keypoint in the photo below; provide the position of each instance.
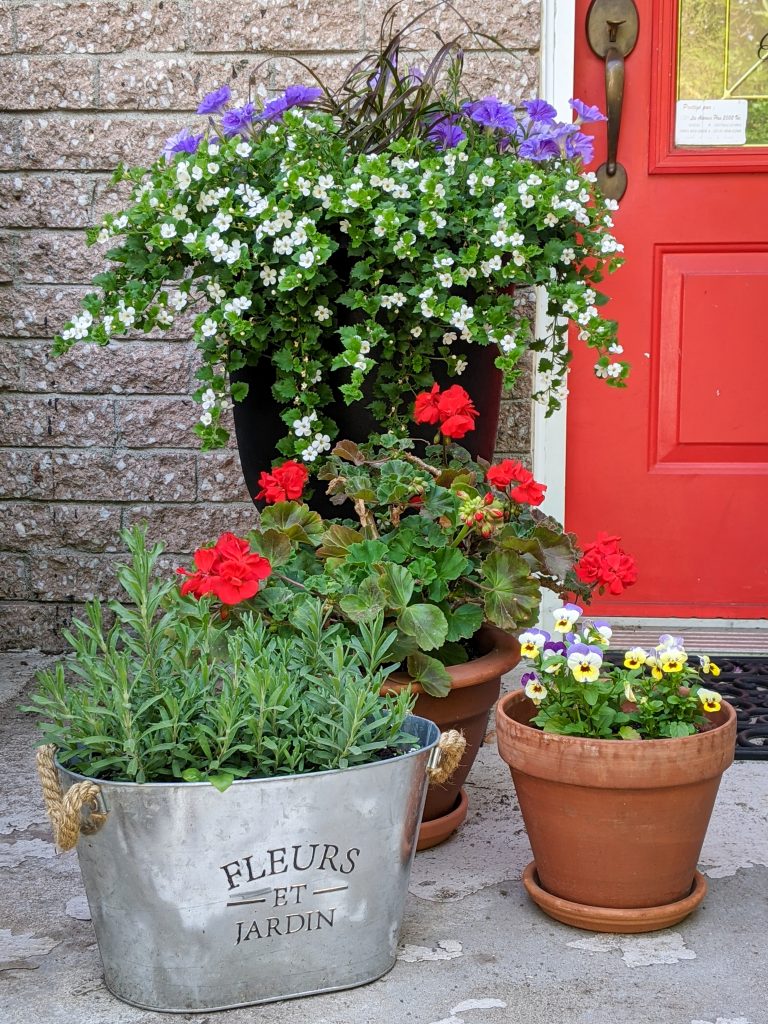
(743, 681)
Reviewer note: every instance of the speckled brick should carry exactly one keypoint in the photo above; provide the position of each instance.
(513, 24)
(36, 525)
(73, 575)
(8, 257)
(123, 367)
(242, 25)
(26, 474)
(45, 422)
(220, 477)
(14, 577)
(510, 76)
(157, 422)
(57, 257)
(174, 83)
(123, 476)
(6, 30)
(26, 624)
(37, 311)
(92, 143)
(11, 366)
(186, 527)
(514, 427)
(49, 83)
(45, 201)
(100, 26)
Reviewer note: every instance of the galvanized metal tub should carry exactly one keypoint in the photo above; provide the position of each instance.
(273, 889)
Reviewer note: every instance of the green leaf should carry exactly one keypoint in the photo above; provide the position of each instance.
(297, 522)
(274, 546)
(426, 623)
(350, 452)
(192, 775)
(337, 541)
(366, 604)
(513, 596)
(221, 780)
(464, 621)
(628, 733)
(450, 563)
(430, 673)
(397, 583)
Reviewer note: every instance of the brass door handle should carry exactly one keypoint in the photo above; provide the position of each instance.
(612, 27)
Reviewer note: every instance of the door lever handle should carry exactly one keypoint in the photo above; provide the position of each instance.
(612, 27)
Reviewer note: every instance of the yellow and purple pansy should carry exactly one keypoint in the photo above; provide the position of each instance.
(635, 657)
(710, 699)
(534, 688)
(585, 661)
(532, 642)
(565, 617)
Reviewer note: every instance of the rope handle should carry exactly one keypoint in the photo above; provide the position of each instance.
(65, 809)
(447, 756)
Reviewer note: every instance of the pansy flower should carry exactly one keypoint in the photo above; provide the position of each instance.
(707, 665)
(533, 687)
(634, 658)
(672, 659)
(552, 657)
(585, 662)
(667, 640)
(710, 699)
(565, 617)
(532, 642)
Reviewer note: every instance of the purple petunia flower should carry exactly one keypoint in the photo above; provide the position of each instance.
(580, 146)
(183, 142)
(538, 147)
(215, 101)
(540, 111)
(294, 96)
(492, 113)
(585, 113)
(446, 133)
(235, 121)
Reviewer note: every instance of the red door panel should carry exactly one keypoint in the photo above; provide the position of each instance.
(677, 463)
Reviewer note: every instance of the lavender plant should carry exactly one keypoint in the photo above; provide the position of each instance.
(360, 234)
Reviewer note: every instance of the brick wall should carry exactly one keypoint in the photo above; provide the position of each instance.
(99, 439)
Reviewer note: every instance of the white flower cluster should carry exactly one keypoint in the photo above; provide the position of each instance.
(221, 252)
(79, 327)
(611, 370)
(319, 444)
(208, 402)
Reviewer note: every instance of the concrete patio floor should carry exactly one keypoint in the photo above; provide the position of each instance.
(474, 950)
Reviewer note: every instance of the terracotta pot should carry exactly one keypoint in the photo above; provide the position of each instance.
(615, 825)
(475, 688)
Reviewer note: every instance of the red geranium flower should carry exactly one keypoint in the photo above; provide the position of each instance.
(229, 570)
(453, 409)
(606, 565)
(284, 483)
(528, 491)
(426, 409)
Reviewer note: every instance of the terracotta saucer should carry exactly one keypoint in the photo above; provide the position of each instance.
(436, 831)
(611, 919)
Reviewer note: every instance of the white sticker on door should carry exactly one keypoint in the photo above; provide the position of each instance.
(711, 123)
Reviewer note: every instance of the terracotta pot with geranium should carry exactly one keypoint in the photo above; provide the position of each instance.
(447, 554)
(616, 767)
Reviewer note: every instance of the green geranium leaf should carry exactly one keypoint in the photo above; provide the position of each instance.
(464, 621)
(274, 546)
(430, 673)
(512, 599)
(297, 522)
(426, 623)
(366, 604)
(337, 541)
(449, 563)
(397, 583)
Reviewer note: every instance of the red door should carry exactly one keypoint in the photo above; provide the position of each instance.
(677, 463)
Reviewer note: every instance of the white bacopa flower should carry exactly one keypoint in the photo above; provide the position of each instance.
(164, 317)
(209, 328)
(283, 246)
(610, 204)
(205, 418)
(459, 317)
(238, 305)
(499, 210)
(180, 211)
(154, 201)
(168, 230)
(190, 238)
(616, 349)
(208, 398)
(569, 306)
(344, 226)
(550, 219)
(568, 255)
(488, 180)
(243, 149)
(120, 222)
(517, 258)
(307, 258)
(197, 173)
(614, 370)
(572, 185)
(533, 179)
(177, 300)
(222, 220)
(601, 371)
(283, 219)
(299, 236)
(449, 337)
(499, 238)
(213, 168)
(527, 201)
(103, 235)
(183, 178)
(416, 331)
(460, 367)
(322, 313)
(507, 344)
(107, 322)
(215, 291)
(472, 179)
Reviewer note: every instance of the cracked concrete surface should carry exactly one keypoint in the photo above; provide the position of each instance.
(474, 950)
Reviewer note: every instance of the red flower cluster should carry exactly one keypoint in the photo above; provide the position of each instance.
(607, 565)
(453, 409)
(284, 483)
(229, 570)
(526, 490)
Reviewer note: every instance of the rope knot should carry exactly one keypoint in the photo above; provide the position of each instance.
(65, 809)
(450, 750)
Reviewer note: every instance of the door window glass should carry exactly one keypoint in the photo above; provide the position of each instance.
(722, 73)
